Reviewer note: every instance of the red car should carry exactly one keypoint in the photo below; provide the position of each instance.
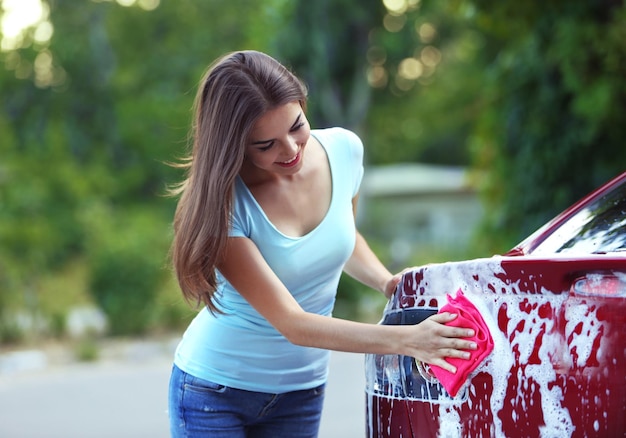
(555, 307)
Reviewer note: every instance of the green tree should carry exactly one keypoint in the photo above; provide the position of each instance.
(90, 116)
(551, 120)
(325, 42)
(425, 64)
(405, 76)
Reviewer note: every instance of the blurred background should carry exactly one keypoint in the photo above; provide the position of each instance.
(481, 120)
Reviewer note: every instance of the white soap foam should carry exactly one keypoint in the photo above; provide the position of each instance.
(490, 295)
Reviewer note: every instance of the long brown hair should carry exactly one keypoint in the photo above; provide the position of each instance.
(236, 90)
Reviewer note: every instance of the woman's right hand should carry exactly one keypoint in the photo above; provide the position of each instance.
(431, 341)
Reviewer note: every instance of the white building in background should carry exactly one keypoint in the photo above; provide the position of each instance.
(413, 205)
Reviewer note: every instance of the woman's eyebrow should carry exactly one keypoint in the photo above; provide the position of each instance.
(292, 126)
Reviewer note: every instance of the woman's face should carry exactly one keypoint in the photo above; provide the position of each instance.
(278, 139)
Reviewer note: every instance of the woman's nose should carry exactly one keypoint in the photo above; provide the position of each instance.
(291, 144)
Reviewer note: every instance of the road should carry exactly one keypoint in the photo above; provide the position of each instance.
(128, 399)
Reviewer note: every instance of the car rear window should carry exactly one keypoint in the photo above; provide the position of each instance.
(598, 228)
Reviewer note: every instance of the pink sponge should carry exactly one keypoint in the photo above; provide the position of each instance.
(468, 317)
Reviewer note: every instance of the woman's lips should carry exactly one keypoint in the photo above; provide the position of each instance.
(295, 160)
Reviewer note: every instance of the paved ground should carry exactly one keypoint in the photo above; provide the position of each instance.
(125, 396)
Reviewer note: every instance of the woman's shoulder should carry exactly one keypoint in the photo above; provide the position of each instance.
(336, 139)
(337, 133)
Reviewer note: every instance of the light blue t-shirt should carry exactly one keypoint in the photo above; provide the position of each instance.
(240, 348)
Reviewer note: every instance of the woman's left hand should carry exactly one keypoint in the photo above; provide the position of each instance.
(390, 286)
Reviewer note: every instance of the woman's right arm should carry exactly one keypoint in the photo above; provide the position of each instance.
(430, 341)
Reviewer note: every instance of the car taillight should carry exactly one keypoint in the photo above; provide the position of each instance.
(606, 285)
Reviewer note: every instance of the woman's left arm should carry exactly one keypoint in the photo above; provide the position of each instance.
(364, 266)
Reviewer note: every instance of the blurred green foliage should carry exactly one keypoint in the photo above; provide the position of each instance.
(126, 259)
(85, 146)
(435, 112)
(330, 55)
(532, 95)
(551, 119)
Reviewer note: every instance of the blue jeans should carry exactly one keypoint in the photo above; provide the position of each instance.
(199, 408)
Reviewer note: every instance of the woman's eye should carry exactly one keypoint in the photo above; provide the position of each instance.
(298, 126)
(266, 148)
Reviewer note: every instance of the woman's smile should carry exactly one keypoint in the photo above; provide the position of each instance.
(292, 162)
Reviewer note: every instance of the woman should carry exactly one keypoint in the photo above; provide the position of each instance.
(263, 229)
